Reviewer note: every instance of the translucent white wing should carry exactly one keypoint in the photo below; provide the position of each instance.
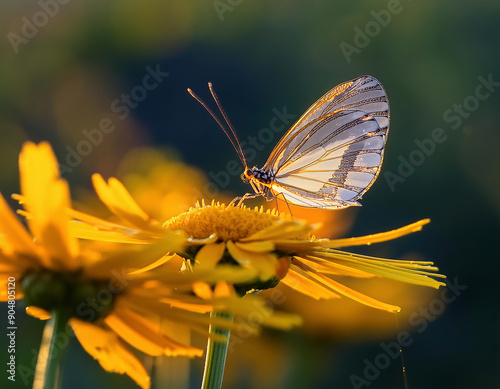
(334, 152)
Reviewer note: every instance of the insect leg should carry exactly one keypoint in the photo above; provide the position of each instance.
(284, 199)
(243, 198)
(286, 202)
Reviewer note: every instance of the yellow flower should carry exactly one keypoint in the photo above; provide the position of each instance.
(109, 304)
(272, 248)
(281, 250)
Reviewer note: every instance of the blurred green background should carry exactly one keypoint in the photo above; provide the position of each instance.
(65, 67)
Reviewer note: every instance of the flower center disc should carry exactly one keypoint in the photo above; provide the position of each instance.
(228, 222)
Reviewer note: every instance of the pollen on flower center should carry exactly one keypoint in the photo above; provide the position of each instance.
(228, 222)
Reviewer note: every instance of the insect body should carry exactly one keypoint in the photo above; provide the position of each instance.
(332, 155)
(260, 179)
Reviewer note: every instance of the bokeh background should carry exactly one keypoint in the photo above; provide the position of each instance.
(67, 66)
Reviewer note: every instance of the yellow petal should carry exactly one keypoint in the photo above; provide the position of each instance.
(38, 313)
(294, 245)
(124, 198)
(308, 287)
(15, 234)
(161, 262)
(251, 306)
(12, 265)
(132, 331)
(282, 267)
(47, 200)
(307, 272)
(184, 312)
(209, 255)
(334, 268)
(177, 313)
(223, 289)
(103, 224)
(265, 263)
(245, 307)
(87, 231)
(281, 230)
(135, 257)
(200, 242)
(413, 272)
(261, 246)
(145, 301)
(112, 354)
(229, 273)
(375, 238)
(145, 335)
(8, 265)
(119, 201)
(202, 290)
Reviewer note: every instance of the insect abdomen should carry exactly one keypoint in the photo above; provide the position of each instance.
(262, 175)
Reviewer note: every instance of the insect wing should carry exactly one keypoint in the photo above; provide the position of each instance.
(334, 152)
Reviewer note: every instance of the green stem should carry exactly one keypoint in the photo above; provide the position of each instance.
(216, 355)
(51, 354)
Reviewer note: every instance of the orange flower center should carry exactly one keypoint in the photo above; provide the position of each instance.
(228, 222)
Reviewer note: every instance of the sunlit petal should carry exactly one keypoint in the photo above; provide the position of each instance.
(209, 255)
(308, 287)
(144, 334)
(46, 199)
(119, 201)
(261, 246)
(15, 234)
(265, 263)
(38, 313)
(375, 238)
(342, 289)
(112, 354)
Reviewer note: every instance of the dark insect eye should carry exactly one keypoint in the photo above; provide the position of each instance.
(246, 175)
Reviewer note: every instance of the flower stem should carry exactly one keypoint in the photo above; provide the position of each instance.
(216, 355)
(51, 354)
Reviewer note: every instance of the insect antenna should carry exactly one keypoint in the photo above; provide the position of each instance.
(226, 118)
(231, 134)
